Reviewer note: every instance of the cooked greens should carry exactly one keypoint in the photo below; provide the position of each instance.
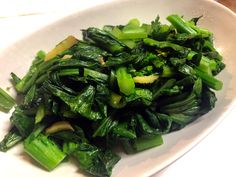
(121, 85)
(6, 101)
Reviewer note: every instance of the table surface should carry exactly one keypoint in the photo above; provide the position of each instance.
(229, 3)
(213, 156)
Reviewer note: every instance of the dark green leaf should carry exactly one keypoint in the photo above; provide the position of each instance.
(23, 122)
(94, 160)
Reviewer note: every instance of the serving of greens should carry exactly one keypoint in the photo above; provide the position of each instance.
(121, 86)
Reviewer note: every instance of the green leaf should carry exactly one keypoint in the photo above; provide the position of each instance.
(140, 97)
(95, 161)
(23, 122)
(104, 127)
(123, 130)
(82, 103)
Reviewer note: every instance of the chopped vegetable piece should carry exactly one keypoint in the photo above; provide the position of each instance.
(95, 161)
(66, 57)
(61, 47)
(145, 79)
(11, 139)
(40, 114)
(142, 143)
(125, 81)
(44, 151)
(116, 101)
(180, 24)
(6, 101)
(59, 126)
(209, 80)
(23, 122)
(100, 77)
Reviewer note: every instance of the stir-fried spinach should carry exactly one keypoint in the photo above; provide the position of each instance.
(121, 85)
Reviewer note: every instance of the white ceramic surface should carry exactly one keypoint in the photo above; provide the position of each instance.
(18, 57)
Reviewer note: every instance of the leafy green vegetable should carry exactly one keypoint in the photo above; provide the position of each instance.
(125, 81)
(23, 122)
(88, 52)
(43, 150)
(40, 113)
(11, 139)
(142, 143)
(15, 79)
(159, 31)
(104, 40)
(180, 24)
(95, 75)
(6, 101)
(164, 44)
(81, 103)
(95, 161)
(209, 80)
(140, 96)
(121, 85)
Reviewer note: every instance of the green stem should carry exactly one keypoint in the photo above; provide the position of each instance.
(6, 101)
(180, 24)
(209, 80)
(125, 81)
(44, 151)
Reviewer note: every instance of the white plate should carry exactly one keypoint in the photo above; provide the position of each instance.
(218, 19)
